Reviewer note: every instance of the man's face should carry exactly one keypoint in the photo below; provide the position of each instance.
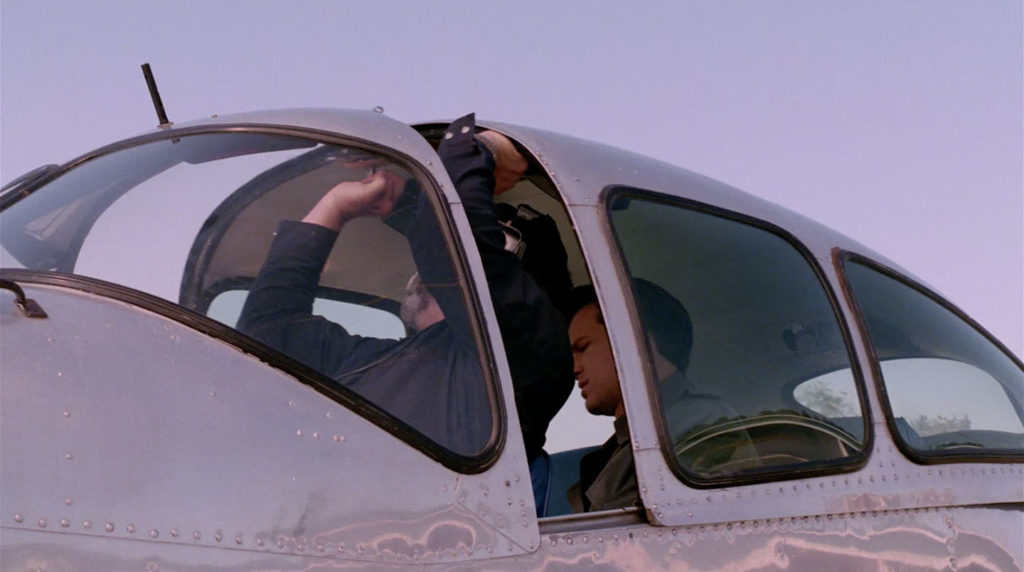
(419, 309)
(593, 363)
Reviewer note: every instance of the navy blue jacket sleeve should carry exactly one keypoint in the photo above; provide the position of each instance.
(279, 308)
(437, 273)
(533, 330)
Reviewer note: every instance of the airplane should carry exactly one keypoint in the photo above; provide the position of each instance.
(142, 430)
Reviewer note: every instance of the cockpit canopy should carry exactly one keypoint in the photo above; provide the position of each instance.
(188, 217)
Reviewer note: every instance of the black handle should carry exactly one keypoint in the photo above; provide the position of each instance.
(28, 306)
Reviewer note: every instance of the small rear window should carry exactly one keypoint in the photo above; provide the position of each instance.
(952, 393)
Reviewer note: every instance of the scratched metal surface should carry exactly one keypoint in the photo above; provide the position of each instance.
(918, 539)
(120, 424)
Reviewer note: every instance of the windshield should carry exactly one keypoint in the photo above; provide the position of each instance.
(211, 222)
(88, 222)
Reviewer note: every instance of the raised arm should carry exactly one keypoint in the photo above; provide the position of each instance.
(373, 196)
(534, 332)
(279, 308)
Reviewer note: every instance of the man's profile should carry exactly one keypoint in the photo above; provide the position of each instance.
(607, 474)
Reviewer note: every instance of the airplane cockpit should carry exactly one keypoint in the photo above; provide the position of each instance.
(833, 373)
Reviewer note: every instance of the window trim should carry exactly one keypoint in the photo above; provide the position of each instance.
(496, 442)
(611, 193)
(840, 257)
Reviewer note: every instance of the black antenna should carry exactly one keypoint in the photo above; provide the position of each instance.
(157, 102)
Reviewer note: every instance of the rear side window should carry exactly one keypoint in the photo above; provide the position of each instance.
(951, 392)
(753, 374)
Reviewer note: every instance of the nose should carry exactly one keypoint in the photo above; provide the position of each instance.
(577, 366)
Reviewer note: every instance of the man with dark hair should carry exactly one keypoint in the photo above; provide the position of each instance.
(607, 474)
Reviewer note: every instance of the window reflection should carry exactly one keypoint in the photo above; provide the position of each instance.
(762, 325)
(951, 391)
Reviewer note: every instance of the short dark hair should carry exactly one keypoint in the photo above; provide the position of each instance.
(664, 317)
(579, 298)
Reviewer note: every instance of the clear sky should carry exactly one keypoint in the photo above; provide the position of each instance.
(898, 123)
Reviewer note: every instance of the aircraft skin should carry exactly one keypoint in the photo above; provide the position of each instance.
(141, 435)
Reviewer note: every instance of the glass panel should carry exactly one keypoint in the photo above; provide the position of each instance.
(951, 391)
(192, 220)
(736, 321)
(359, 320)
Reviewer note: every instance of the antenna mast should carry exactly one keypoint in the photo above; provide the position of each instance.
(155, 94)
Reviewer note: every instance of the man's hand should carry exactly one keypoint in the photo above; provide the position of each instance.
(510, 166)
(373, 196)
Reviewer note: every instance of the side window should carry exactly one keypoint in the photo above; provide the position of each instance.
(951, 393)
(753, 371)
(379, 308)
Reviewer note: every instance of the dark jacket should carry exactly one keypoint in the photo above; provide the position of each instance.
(533, 330)
(431, 380)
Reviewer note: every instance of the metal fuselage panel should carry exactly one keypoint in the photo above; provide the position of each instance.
(121, 424)
(917, 539)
